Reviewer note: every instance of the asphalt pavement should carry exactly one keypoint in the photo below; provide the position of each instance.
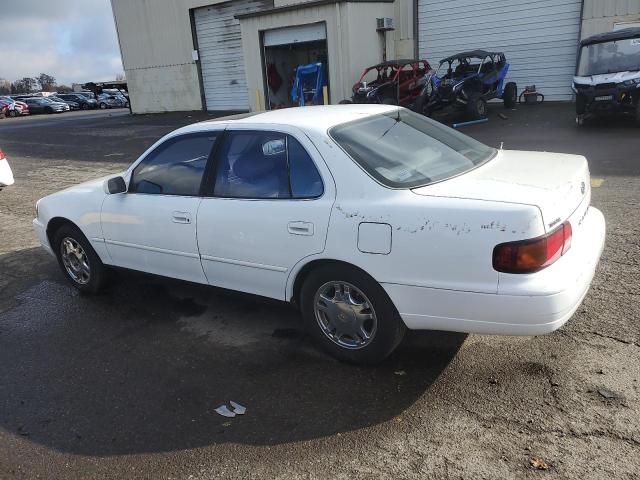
(124, 384)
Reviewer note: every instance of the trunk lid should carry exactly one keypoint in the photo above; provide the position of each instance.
(554, 182)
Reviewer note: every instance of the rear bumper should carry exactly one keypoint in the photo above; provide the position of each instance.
(529, 310)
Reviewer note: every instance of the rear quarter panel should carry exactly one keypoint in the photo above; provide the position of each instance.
(436, 242)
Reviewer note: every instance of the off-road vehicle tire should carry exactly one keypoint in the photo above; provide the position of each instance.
(510, 95)
(476, 107)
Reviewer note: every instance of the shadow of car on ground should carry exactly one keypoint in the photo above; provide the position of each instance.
(142, 367)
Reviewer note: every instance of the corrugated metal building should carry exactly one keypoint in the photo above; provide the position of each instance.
(230, 55)
(605, 15)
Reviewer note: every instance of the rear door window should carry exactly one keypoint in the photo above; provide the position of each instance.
(265, 165)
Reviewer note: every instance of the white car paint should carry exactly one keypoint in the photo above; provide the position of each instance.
(6, 175)
(430, 247)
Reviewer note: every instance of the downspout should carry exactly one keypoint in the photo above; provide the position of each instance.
(194, 37)
(416, 46)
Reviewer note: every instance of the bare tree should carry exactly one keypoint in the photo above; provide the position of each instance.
(25, 85)
(47, 82)
(120, 77)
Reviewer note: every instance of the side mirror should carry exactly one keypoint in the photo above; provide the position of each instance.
(116, 185)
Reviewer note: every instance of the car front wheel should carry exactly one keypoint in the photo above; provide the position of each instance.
(103, 105)
(78, 260)
(350, 315)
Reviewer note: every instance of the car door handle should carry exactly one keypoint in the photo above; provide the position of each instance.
(300, 228)
(181, 217)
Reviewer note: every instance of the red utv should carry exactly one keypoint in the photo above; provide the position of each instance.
(394, 82)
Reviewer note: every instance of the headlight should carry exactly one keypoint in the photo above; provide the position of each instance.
(372, 93)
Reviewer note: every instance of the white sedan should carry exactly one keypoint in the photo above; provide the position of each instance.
(370, 218)
(6, 175)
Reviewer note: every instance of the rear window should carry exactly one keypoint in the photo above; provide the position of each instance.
(402, 149)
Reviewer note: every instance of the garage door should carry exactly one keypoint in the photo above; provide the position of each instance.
(220, 51)
(539, 38)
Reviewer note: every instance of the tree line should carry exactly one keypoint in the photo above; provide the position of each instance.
(42, 83)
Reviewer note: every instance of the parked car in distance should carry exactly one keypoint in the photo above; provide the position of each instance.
(44, 105)
(110, 101)
(6, 175)
(607, 79)
(467, 81)
(371, 218)
(395, 82)
(72, 104)
(14, 108)
(82, 100)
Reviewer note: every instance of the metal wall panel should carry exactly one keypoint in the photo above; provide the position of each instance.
(540, 38)
(220, 50)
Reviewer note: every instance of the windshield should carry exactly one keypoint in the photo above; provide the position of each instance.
(402, 149)
(609, 57)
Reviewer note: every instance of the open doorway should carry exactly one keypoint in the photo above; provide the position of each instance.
(287, 49)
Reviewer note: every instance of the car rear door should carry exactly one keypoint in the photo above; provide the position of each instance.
(152, 227)
(267, 209)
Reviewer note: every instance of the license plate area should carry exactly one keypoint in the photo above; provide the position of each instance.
(603, 98)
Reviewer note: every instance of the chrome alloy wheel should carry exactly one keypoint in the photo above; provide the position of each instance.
(75, 260)
(345, 315)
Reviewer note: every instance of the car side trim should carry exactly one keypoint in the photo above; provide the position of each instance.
(151, 249)
(243, 263)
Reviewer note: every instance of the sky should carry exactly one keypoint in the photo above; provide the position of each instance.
(72, 40)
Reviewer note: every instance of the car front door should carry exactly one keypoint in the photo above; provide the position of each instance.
(267, 209)
(152, 227)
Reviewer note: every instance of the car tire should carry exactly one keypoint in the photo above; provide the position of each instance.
(84, 106)
(345, 102)
(359, 304)
(476, 107)
(13, 113)
(510, 95)
(48, 110)
(103, 105)
(78, 260)
(638, 112)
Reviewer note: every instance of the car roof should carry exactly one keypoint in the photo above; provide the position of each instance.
(319, 118)
(470, 54)
(625, 33)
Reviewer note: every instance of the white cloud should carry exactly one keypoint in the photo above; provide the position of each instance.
(73, 40)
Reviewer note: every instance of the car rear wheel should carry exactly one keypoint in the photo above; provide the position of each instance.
(48, 110)
(350, 315)
(78, 260)
(510, 95)
(103, 105)
(84, 106)
(476, 107)
(13, 113)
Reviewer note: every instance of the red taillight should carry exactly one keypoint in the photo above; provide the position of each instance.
(528, 256)
(1, 154)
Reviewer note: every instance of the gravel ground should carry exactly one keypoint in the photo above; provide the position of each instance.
(124, 384)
